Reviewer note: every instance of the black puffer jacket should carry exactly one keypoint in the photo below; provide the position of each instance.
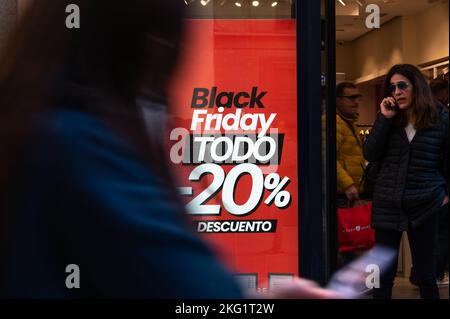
(413, 177)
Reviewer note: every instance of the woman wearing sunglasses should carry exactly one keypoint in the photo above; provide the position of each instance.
(410, 142)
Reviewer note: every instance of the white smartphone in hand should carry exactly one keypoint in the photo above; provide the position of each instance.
(363, 274)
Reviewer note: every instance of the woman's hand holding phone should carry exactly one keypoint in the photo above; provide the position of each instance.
(388, 107)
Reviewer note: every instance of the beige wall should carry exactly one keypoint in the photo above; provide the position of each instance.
(432, 35)
(416, 39)
(367, 109)
(376, 51)
(344, 59)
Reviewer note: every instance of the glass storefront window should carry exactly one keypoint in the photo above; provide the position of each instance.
(234, 145)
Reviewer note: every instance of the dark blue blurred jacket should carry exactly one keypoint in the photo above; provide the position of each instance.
(85, 198)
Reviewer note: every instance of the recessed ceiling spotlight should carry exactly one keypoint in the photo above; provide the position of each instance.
(342, 2)
(204, 2)
(238, 4)
(255, 3)
(274, 4)
(188, 2)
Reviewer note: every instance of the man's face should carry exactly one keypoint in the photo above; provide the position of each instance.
(348, 103)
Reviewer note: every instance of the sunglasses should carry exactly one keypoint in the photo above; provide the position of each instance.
(352, 97)
(401, 85)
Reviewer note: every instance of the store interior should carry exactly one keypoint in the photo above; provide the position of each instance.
(414, 32)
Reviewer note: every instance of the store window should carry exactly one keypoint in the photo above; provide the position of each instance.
(235, 141)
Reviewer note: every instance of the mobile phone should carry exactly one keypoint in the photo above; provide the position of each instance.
(394, 107)
(361, 275)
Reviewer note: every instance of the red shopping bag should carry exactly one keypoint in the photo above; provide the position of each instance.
(354, 230)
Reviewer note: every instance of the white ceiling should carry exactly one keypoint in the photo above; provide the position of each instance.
(350, 19)
(227, 9)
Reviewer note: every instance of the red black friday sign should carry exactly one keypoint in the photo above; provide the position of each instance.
(234, 104)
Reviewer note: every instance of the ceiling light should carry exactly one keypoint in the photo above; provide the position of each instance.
(222, 2)
(342, 2)
(204, 2)
(188, 2)
(274, 4)
(238, 4)
(255, 3)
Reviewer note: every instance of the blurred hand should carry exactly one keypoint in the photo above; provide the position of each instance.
(387, 107)
(352, 193)
(303, 289)
(298, 289)
(445, 202)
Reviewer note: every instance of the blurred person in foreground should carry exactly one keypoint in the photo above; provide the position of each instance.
(81, 180)
(410, 141)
